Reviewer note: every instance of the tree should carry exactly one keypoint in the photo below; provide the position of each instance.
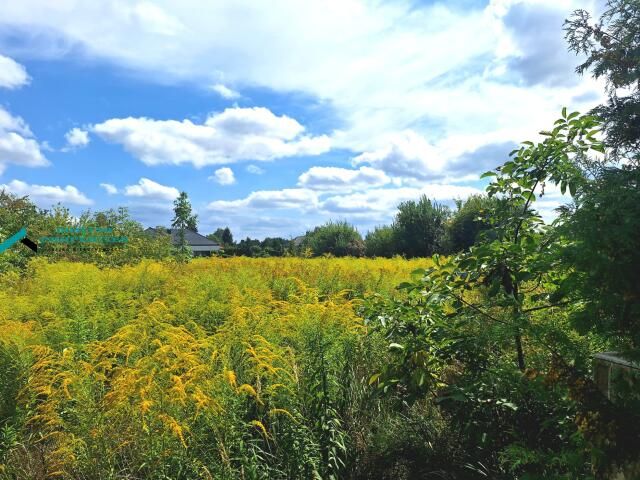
(336, 238)
(466, 223)
(601, 258)
(225, 235)
(612, 47)
(276, 246)
(183, 219)
(248, 248)
(381, 242)
(183, 216)
(508, 298)
(420, 227)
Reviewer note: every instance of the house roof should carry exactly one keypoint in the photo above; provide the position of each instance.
(192, 238)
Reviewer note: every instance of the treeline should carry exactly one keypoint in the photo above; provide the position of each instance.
(420, 229)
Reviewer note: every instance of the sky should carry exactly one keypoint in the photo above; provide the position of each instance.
(276, 116)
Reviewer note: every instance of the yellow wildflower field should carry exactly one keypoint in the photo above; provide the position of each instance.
(216, 368)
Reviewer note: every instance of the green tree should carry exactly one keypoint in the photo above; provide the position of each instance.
(223, 236)
(601, 258)
(381, 242)
(248, 248)
(612, 48)
(15, 213)
(420, 227)
(512, 285)
(336, 238)
(275, 246)
(183, 219)
(469, 219)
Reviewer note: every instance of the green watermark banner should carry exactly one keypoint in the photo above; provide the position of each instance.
(84, 235)
(71, 236)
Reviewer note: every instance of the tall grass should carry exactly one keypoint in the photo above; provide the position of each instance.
(219, 368)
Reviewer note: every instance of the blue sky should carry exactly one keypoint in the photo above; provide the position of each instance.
(275, 116)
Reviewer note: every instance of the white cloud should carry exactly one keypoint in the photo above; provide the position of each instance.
(233, 135)
(17, 145)
(223, 176)
(12, 74)
(151, 190)
(406, 155)
(423, 92)
(288, 198)
(342, 179)
(153, 19)
(255, 170)
(410, 159)
(268, 212)
(383, 202)
(109, 188)
(381, 67)
(77, 138)
(47, 195)
(224, 91)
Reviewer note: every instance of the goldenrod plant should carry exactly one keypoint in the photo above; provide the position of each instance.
(216, 368)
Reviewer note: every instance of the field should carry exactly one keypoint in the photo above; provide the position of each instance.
(217, 368)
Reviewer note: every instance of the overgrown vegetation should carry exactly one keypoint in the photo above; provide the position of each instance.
(478, 365)
(217, 368)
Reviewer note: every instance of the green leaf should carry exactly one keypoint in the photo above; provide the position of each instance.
(488, 174)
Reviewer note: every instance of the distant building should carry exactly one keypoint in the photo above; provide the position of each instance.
(200, 245)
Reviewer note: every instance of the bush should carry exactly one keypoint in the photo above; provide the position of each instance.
(339, 239)
(381, 242)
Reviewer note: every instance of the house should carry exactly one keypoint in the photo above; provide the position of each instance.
(200, 245)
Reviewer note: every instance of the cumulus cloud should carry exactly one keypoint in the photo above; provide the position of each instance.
(225, 92)
(381, 66)
(410, 159)
(12, 74)
(109, 188)
(150, 190)
(406, 155)
(383, 202)
(77, 138)
(268, 212)
(231, 136)
(47, 195)
(17, 144)
(339, 179)
(288, 198)
(255, 170)
(223, 176)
